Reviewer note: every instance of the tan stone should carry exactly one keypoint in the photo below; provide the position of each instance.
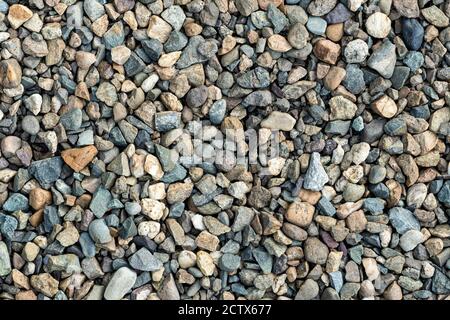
(205, 263)
(169, 59)
(20, 280)
(45, 284)
(79, 158)
(82, 91)
(335, 32)
(10, 73)
(120, 54)
(100, 26)
(26, 295)
(228, 44)
(18, 15)
(393, 292)
(409, 168)
(327, 51)
(334, 77)
(300, 213)
(158, 29)
(385, 107)
(278, 43)
(39, 197)
(207, 241)
(371, 268)
(356, 221)
(312, 197)
(427, 141)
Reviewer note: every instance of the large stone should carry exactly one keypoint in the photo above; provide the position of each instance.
(10, 73)
(121, 282)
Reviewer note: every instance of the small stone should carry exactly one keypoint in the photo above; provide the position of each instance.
(72, 119)
(414, 60)
(279, 121)
(278, 43)
(144, 260)
(246, 7)
(308, 290)
(243, 217)
(316, 25)
(298, 36)
(341, 108)
(153, 208)
(30, 124)
(435, 16)
(334, 77)
(69, 236)
(45, 284)
(229, 262)
(158, 29)
(315, 177)
(412, 32)
(371, 268)
(407, 8)
(120, 54)
(5, 262)
(100, 201)
(205, 263)
(16, 202)
(85, 59)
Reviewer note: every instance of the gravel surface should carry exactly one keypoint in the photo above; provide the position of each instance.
(224, 149)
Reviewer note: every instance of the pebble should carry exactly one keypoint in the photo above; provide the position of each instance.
(410, 239)
(315, 177)
(99, 232)
(412, 33)
(356, 51)
(279, 121)
(403, 220)
(121, 282)
(378, 25)
(383, 59)
(10, 73)
(5, 263)
(143, 260)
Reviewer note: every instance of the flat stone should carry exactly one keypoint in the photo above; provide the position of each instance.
(144, 260)
(403, 220)
(79, 158)
(279, 121)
